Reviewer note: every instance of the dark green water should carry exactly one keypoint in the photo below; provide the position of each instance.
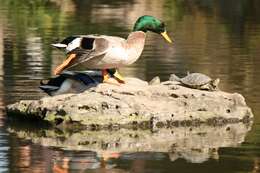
(220, 38)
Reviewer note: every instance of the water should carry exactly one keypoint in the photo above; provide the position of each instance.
(219, 38)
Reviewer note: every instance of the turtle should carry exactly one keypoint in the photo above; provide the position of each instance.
(197, 81)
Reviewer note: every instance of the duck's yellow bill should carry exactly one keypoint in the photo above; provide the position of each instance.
(166, 37)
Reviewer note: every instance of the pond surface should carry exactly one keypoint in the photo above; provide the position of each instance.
(219, 38)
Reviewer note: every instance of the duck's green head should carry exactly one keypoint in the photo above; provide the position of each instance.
(150, 23)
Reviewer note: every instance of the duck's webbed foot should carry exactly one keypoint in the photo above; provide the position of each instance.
(114, 73)
(112, 76)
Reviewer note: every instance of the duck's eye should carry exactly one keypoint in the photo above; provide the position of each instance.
(162, 25)
(149, 26)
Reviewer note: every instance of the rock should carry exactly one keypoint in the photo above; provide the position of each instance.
(137, 104)
(194, 144)
(155, 81)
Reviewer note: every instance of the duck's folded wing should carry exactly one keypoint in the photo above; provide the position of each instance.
(83, 49)
(89, 48)
(91, 45)
(84, 44)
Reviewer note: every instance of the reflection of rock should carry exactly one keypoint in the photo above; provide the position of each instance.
(82, 161)
(136, 103)
(196, 144)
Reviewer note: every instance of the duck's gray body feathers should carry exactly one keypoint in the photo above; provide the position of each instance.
(104, 52)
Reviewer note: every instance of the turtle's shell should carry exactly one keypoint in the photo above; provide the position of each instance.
(195, 79)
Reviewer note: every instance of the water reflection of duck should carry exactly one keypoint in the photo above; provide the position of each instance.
(71, 82)
(107, 52)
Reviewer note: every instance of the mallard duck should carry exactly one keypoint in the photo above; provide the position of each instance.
(71, 82)
(109, 52)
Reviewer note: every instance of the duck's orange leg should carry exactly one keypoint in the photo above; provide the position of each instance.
(65, 64)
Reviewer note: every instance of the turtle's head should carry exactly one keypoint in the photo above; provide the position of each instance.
(150, 23)
(215, 83)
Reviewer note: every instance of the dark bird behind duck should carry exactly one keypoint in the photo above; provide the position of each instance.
(71, 82)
